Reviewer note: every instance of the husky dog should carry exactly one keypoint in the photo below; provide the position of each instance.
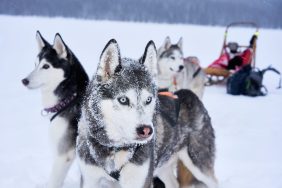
(187, 136)
(62, 81)
(114, 143)
(176, 73)
(126, 136)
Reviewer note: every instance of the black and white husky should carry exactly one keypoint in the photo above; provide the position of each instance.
(177, 72)
(62, 81)
(126, 137)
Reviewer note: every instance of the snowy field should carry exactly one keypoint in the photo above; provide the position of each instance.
(248, 130)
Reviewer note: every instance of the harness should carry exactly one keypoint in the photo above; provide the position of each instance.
(166, 93)
(60, 107)
(197, 72)
(116, 174)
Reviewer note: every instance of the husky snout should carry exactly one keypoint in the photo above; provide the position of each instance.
(144, 131)
(25, 81)
(180, 68)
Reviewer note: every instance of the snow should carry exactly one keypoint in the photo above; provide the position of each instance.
(248, 130)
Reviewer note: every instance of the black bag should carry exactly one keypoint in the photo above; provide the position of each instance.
(248, 81)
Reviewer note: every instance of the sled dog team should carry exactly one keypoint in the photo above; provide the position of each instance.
(136, 123)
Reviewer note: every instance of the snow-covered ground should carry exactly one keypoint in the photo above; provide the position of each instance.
(248, 130)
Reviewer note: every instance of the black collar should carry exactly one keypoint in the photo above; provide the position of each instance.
(163, 90)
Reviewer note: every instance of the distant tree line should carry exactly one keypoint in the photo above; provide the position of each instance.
(266, 13)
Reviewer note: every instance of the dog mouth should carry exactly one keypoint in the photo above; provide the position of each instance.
(30, 85)
(180, 68)
(171, 69)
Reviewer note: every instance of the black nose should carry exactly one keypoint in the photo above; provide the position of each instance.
(25, 82)
(181, 67)
(144, 131)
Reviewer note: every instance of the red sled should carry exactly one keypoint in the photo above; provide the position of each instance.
(233, 56)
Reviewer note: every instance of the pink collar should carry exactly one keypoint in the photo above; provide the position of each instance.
(61, 105)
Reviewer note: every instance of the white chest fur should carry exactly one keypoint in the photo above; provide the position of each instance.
(57, 130)
(117, 160)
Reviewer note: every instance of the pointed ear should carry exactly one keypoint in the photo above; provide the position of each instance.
(41, 42)
(109, 60)
(149, 59)
(180, 43)
(60, 46)
(167, 43)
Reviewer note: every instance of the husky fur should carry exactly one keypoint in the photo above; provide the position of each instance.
(128, 134)
(175, 72)
(61, 77)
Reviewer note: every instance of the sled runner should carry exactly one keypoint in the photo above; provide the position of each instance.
(233, 56)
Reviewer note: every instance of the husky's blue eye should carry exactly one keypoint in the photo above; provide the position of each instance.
(149, 100)
(172, 57)
(46, 66)
(123, 100)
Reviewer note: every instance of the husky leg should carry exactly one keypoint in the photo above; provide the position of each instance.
(206, 177)
(136, 176)
(168, 178)
(184, 176)
(63, 145)
(60, 168)
(166, 174)
(93, 176)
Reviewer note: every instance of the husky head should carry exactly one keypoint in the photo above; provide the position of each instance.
(54, 64)
(170, 58)
(120, 101)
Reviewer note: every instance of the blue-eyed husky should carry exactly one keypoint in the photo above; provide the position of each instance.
(62, 81)
(126, 137)
(115, 141)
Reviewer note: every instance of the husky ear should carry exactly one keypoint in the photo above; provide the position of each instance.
(167, 43)
(109, 61)
(149, 59)
(60, 46)
(180, 43)
(41, 42)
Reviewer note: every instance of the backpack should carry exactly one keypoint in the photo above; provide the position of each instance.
(248, 81)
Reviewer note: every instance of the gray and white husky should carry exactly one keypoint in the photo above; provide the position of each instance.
(177, 72)
(128, 134)
(62, 81)
(116, 131)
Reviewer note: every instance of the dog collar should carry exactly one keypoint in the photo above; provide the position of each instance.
(58, 108)
(116, 173)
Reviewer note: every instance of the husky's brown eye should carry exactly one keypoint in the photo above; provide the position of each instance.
(149, 100)
(123, 100)
(46, 66)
